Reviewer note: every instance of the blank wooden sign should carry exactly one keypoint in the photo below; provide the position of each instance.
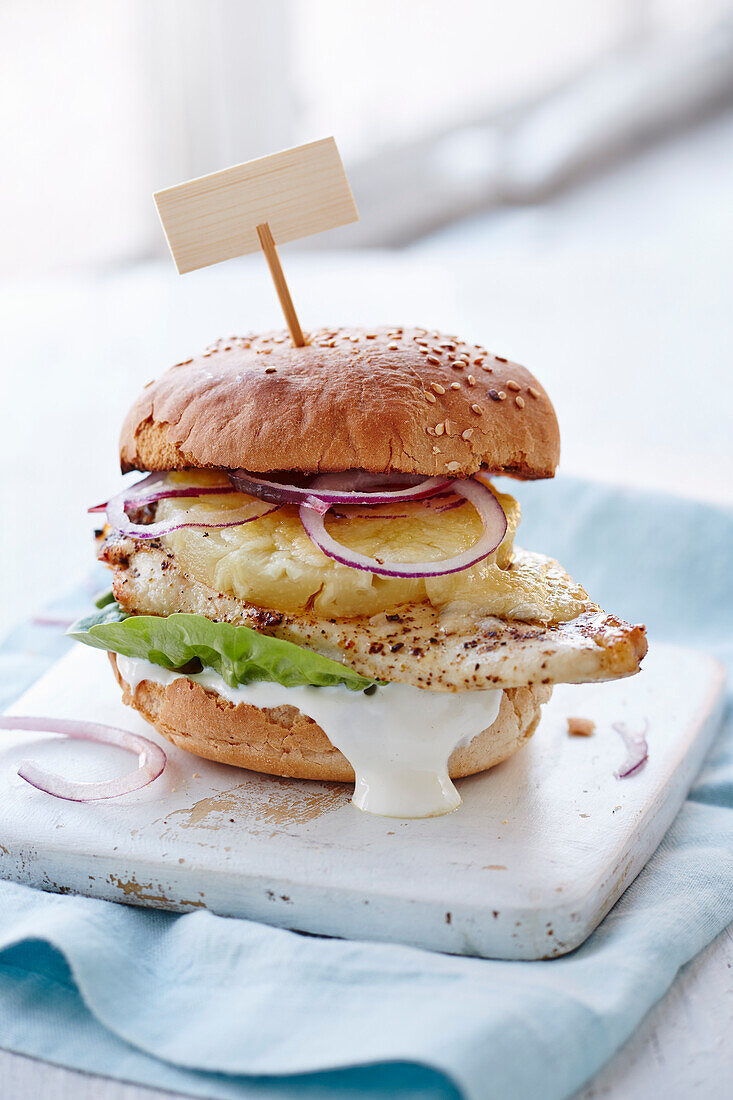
(297, 192)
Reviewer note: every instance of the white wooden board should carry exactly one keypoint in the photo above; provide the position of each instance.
(536, 856)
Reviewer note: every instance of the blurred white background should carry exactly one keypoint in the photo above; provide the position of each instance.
(472, 103)
(551, 180)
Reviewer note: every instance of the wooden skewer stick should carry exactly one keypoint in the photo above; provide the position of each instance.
(267, 242)
(238, 210)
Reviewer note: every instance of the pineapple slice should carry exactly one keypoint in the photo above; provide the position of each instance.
(272, 563)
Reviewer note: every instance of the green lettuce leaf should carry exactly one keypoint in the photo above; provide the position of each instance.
(103, 598)
(240, 655)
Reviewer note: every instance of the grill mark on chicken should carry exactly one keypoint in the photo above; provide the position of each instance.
(452, 649)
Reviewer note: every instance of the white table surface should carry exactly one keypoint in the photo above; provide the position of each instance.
(617, 296)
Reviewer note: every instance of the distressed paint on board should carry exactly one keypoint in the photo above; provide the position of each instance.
(542, 847)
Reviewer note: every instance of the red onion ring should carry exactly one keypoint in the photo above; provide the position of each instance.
(494, 528)
(61, 621)
(637, 749)
(117, 509)
(151, 759)
(319, 499)
(428, 504)
(164, 494)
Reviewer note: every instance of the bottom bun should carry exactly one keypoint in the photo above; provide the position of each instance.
(282, 741)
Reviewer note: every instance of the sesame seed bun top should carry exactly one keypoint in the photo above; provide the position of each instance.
(386, 400)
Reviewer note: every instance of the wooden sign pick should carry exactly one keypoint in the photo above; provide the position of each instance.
(257, 204)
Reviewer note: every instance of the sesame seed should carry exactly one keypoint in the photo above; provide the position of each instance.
(455, 385)
(430, 430)
(500, 359)
(448, 427)
(371, 336)
(512, 385)
(391, 347)
(533, 392)
(467, 434)
(185, 362)
(270, 370)
(471, 380)
(430, 397)
(459, 364)
(477, 362)
(435, 361)
(494, 395)
(439, 428)
(437, 387)
(453, 466)
(477, 409)
(502, 395)
(487, 368)
(519, 402)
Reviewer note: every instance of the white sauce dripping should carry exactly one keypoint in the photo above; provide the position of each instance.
(398, 740)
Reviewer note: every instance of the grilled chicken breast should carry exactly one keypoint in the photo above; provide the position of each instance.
(452, 648)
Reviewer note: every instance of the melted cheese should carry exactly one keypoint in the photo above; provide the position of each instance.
(272, 563)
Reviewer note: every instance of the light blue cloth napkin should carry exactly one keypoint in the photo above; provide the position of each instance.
(227, 1008)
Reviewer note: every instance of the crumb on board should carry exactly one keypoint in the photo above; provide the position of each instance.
(581, 727)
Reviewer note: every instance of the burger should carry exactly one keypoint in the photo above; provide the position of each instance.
(317, 577)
